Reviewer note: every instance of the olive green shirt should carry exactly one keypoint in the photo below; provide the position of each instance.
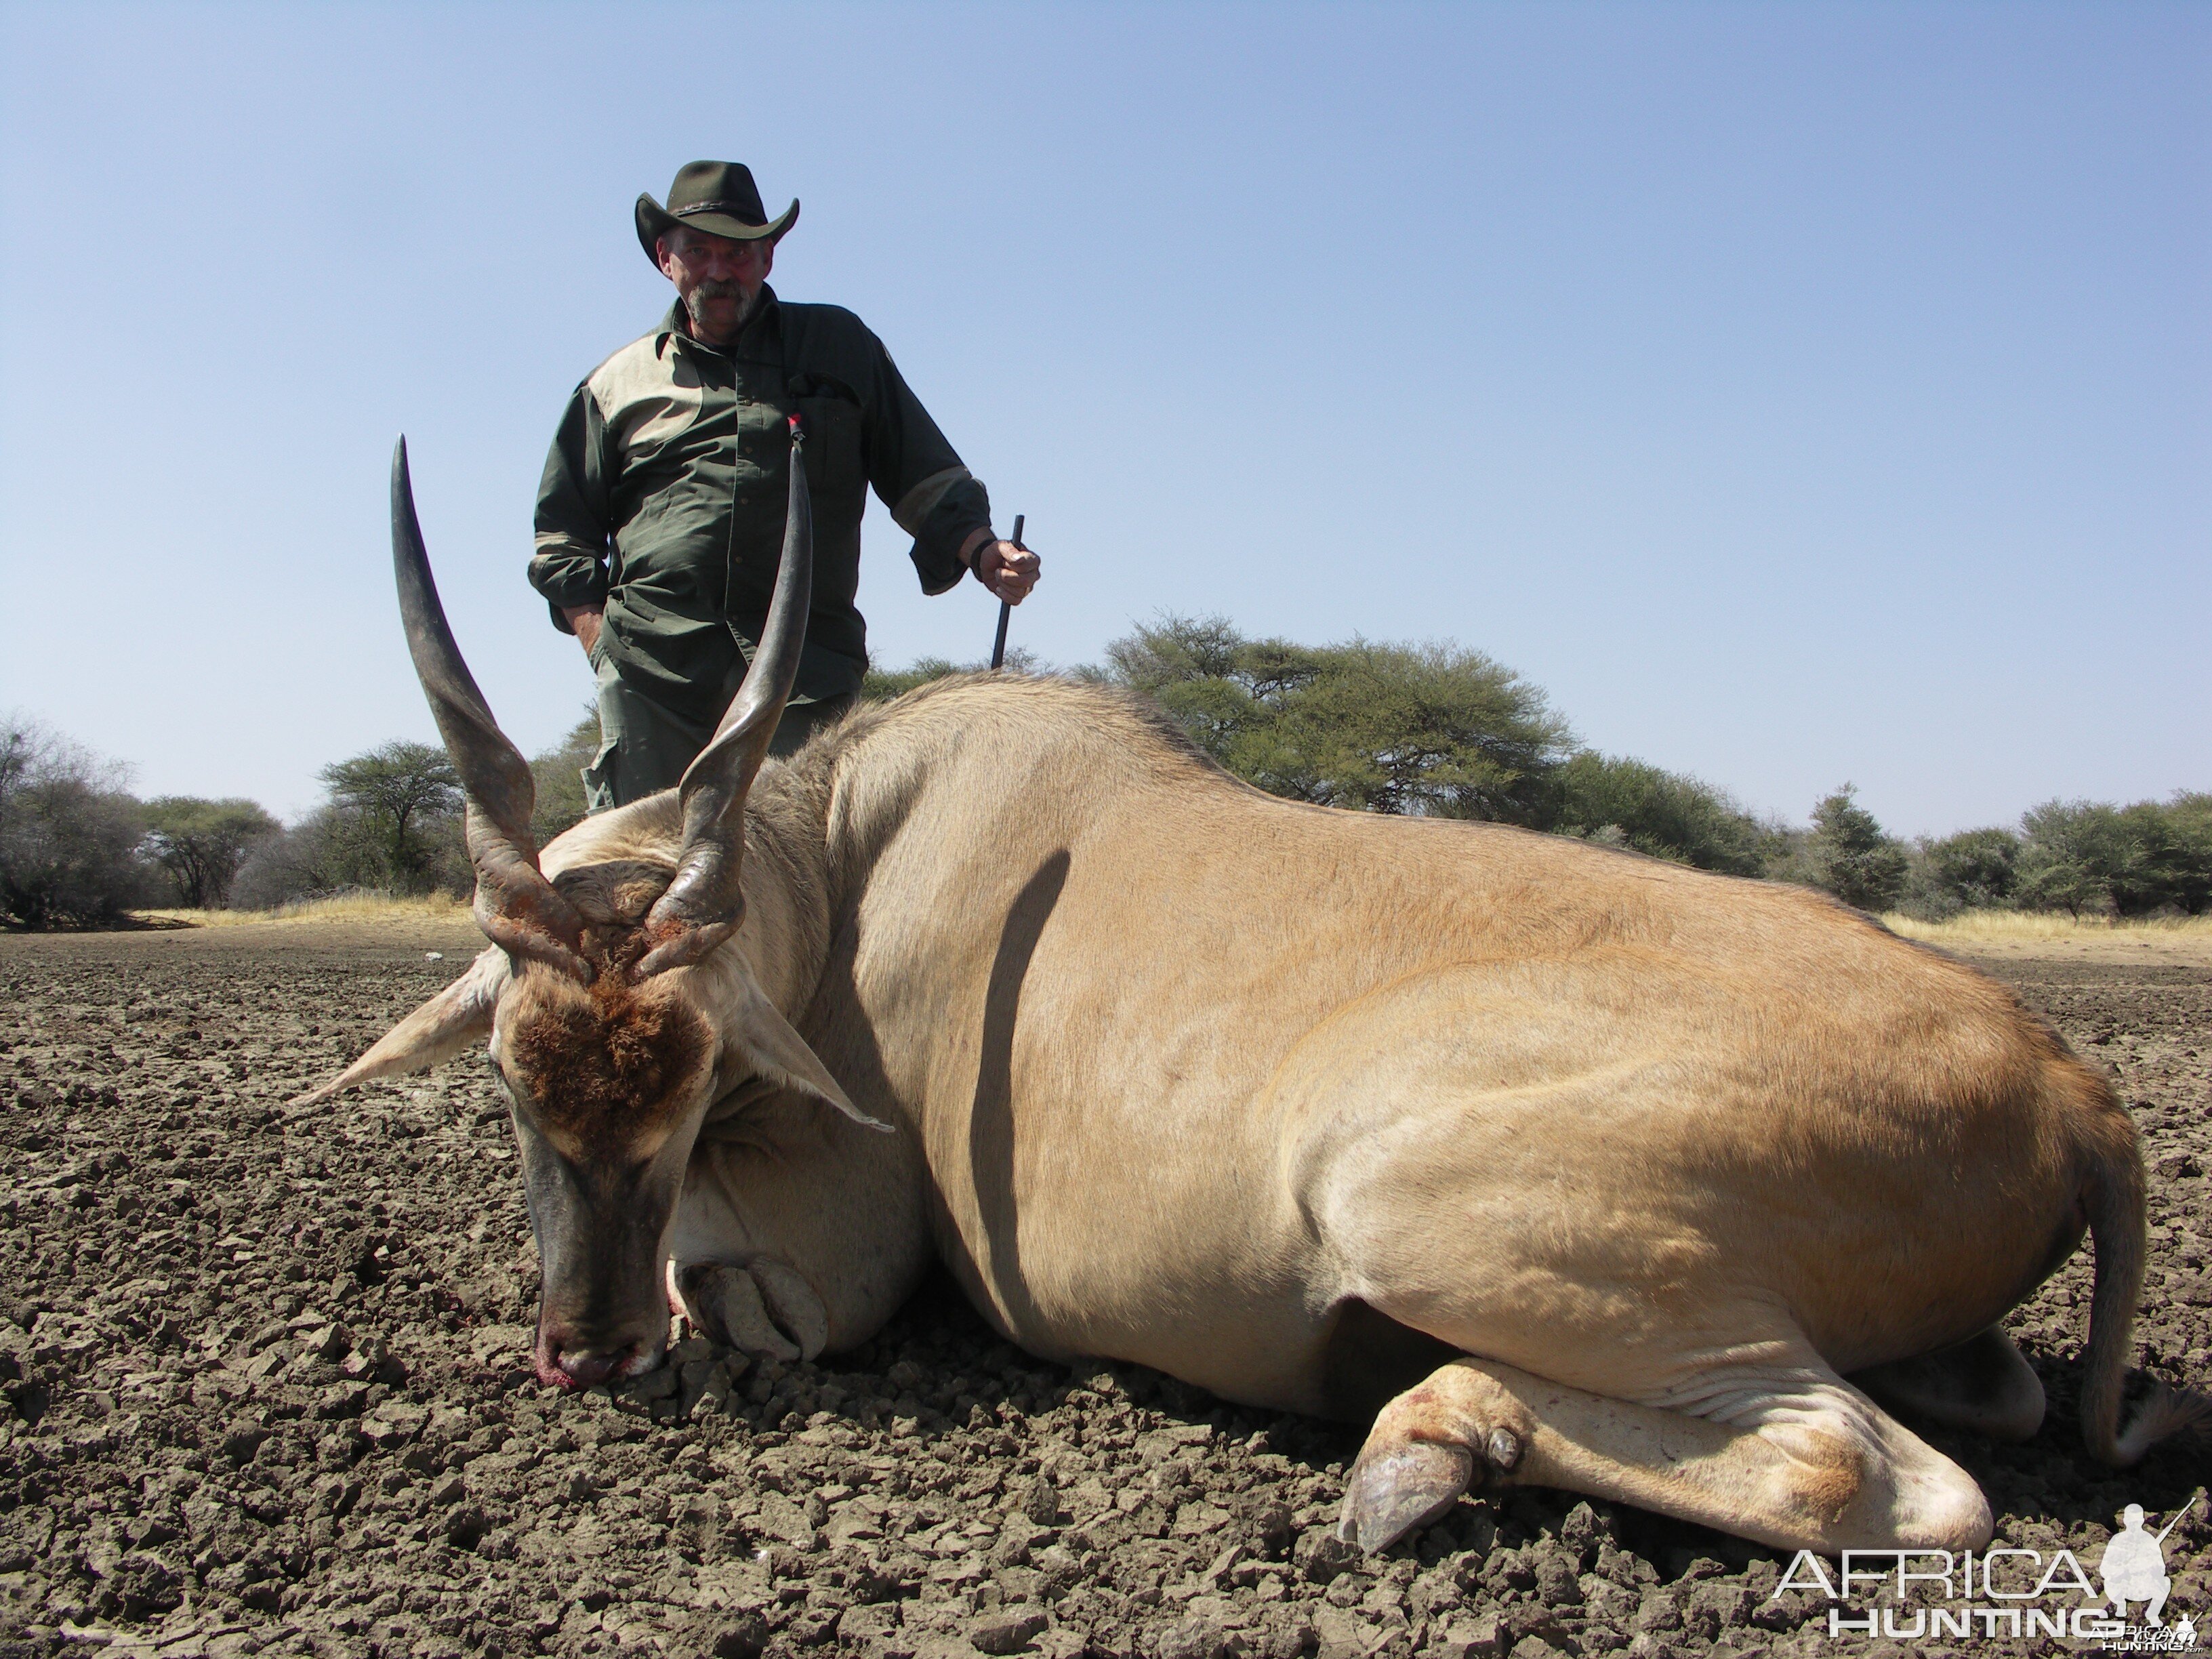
(665, 493)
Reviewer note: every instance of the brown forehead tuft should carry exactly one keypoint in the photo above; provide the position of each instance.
(606, 1065)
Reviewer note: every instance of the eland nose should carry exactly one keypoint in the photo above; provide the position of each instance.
(585, 1369)
(581, 1366)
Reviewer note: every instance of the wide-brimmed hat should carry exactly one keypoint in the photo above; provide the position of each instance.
(718, 197)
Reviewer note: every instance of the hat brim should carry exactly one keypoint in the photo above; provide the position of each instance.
(655, 221)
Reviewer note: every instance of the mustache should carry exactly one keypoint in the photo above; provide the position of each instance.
(695, 303)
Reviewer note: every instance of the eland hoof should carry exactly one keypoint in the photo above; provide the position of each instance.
(758, 1307)
(1393, 1491)
(1504, 1450)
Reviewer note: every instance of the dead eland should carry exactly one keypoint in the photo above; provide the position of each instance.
(1571, 1167)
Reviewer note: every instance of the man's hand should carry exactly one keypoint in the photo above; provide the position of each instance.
(1008, 571)
(585, 619)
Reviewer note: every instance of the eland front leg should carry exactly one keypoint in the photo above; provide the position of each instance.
(799, 1232)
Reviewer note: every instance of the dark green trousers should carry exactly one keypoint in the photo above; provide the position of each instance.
(645, 746)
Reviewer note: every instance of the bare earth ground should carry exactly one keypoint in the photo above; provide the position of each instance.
(269, 1395)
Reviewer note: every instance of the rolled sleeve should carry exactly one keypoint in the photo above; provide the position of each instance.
(569, 561)
(941, 513)
(959, 513)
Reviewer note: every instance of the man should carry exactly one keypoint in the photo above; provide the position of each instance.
(660, 516)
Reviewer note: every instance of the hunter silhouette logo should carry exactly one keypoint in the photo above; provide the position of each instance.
(2007, 1593)
(2134, 1567)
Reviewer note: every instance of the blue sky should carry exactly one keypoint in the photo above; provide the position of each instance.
(1797, 392)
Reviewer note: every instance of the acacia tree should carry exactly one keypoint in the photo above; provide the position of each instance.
(1630, 803)
(200, 843)
(1851, 856)
(390, 798)
(2088, 856)
(1434, 730)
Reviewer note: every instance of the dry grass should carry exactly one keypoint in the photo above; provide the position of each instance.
(2012, 936)
(2024, 927)
(346, 907)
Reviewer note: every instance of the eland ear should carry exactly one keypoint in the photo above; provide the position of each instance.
(458, 1015)
(776, 1052)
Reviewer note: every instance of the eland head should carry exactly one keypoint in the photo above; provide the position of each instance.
(615, 1018)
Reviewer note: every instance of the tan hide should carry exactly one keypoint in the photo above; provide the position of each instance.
(1255, 1092)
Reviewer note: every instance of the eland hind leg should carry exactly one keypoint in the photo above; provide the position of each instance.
(1798, 1459)
(1984, 1385)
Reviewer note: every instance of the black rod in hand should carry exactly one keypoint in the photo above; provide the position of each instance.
(1005, 610)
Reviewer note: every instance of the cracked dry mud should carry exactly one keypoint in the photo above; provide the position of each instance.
(268, 1392)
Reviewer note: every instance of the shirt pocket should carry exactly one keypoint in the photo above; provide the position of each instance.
(836, 467)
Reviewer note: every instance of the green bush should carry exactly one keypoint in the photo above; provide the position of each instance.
(2090, 858)
(1849, 854)
(1429, 730)
(2074, 852)
(2171, 872)
(2187, 826)
(1616, 801)
(1973, 870)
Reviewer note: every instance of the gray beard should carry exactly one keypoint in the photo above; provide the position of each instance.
(696, 301)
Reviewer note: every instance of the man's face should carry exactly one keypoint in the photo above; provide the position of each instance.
(716, 277)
